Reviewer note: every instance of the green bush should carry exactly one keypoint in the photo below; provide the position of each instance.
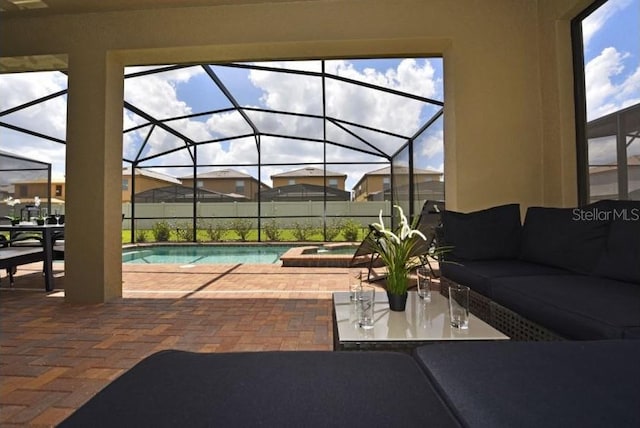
(350, 230)
(272, 231)
(185, 232)
(333, 229)
(242, 227)
(215, 232)
(303, 231)
(161, 231)
(141, 235)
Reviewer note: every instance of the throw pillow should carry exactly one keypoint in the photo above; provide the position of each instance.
(568, 238)
(493, 233)
(621, 257)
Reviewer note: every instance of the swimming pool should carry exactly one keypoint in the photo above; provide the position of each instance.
(204, 254)
(329, 255)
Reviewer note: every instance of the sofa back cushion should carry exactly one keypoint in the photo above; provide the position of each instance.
(569, 238)
(621, 257)
(493, 233)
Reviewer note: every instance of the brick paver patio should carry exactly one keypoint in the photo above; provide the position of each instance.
(54, 355)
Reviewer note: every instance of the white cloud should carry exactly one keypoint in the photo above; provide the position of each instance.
(603, 94)
(159, 96)
(594, 22)
(48, 118)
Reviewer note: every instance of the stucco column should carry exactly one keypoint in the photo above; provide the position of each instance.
(93, 259)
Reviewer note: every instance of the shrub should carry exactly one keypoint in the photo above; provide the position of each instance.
(242, 227)
(303, 231)
(333, 229)
(185, 232)
(141, 235)
(272, 231)
(350, 230)
(216, 231)
(161, 231)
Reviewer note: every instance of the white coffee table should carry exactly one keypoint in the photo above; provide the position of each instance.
(422, 322)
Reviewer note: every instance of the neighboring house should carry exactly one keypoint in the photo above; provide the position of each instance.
(376, 183)
(603, 180)
(431, 190)
(26, 191)
(145, 180)
(304, 192)
(310, 175)
(180, 193)
(227, 181)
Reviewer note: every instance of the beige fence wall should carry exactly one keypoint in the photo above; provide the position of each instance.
(311, 211)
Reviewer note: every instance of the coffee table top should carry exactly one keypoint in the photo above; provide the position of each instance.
(420, 322)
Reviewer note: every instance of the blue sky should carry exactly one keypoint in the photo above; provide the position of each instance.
(612, 51)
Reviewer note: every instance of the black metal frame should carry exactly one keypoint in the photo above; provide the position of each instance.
(585, 129)
(352, 129)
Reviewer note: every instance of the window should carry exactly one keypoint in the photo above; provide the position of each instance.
(59, 190)
(333, 182)
(125, 184)
(240, 187)
(199, 184)
(606, 40)
(386, 183)
(291, 181)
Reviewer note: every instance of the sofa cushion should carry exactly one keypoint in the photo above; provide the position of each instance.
(561, 237)
(574, 306)
(271, 389)
(493, 233)
(478, 274)
(621, 256)
(538, 384)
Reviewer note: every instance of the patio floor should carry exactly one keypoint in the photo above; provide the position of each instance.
(54, 355)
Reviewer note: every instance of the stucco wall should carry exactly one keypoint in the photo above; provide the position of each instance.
(509, 129)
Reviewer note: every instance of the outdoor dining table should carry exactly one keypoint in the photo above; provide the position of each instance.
(47, 231)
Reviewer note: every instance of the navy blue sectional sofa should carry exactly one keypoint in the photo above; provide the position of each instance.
(495, 384)
(570, 273)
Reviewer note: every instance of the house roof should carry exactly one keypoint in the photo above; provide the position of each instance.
(632, 161)
(400, 169)
(308, 172)
(220, 173)
(152, 174)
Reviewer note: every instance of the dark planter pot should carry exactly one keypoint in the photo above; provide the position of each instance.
(40, 222)
(15, 222)
(397, 302)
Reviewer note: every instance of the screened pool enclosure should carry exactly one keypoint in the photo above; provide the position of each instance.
(272, 143)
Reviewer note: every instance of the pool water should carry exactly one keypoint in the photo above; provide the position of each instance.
(204, 254)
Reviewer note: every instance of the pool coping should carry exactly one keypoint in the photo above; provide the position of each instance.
(304, 257)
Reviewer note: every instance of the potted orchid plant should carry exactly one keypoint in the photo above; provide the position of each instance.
(12, 203)
(397, 251)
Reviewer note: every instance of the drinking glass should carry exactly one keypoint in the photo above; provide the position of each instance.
(424, 284)
(354, 279)
(365, 301)
(459, 306)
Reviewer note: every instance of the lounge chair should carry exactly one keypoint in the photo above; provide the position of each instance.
(366, 256)
(12, 256)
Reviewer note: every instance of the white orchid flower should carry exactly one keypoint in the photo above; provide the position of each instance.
(379, 226)
(392, 236)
